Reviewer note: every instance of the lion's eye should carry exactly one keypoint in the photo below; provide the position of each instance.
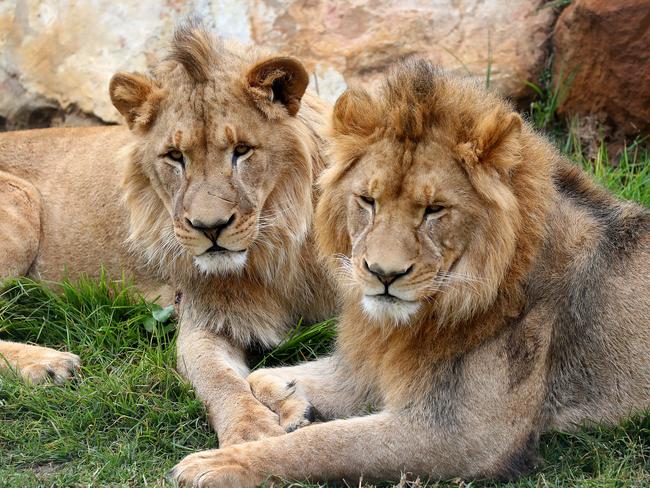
(433, 209)
(176, 155)
(367, 200)
(241, 151)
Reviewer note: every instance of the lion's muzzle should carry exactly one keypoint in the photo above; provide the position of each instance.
(212, 231)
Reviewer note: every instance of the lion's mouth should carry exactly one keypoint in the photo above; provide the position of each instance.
(386, 297)
(216, 248)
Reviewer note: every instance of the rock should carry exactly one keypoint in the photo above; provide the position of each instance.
(56, 58)
(361, 39)
(602, 62)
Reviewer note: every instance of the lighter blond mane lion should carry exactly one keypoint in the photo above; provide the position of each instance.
(206, 98)
(219, 187)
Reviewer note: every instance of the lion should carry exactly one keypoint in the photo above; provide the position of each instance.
(491, 292)
(207, 190)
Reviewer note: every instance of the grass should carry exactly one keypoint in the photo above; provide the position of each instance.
(128, 418)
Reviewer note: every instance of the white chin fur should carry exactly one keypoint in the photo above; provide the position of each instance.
(383, 310)
(221, 263)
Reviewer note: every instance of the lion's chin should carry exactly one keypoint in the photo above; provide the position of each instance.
(221, 263)
(393, 310)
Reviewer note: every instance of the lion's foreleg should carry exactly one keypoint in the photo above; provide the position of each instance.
(377, 446)
(217, 370)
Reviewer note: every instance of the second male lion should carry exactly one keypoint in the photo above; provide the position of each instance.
(493, 292)
(210, 190)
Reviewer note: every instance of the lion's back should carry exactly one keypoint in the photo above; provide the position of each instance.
(77, 173)
(597, 289)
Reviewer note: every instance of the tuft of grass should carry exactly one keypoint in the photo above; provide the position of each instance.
(126, 419)
(627, 175)
(549, 96)
(304, 343)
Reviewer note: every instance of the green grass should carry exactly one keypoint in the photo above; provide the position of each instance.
(125, 419)
(128, 418)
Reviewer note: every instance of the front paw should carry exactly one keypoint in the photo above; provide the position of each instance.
(252, 422)
(40, 364)
(229, 467)
(283, 397)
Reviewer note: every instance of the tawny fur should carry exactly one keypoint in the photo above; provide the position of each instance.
(61, 214)
(114, 197)
(491, 292)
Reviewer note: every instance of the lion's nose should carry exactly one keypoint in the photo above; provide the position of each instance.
(213, 229)
(386, 277)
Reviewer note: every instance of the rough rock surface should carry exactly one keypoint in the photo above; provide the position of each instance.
(56, 56)
(602, 61)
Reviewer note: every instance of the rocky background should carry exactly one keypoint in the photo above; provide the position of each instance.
(57, 56)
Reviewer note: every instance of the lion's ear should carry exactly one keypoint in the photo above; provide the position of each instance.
(136, 97)
(493, 141)
(280, 80)
(490, 151)
(354, 113)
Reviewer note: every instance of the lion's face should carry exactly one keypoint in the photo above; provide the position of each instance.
(409, 217)
(214, 176)
(216, 135)
(418, 203)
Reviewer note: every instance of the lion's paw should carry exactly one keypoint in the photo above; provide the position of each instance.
(43, 365)
(228, 467)
(252, 422)
(283, 397)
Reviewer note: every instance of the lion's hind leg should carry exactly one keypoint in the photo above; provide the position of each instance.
(20, 229)
(20, 225)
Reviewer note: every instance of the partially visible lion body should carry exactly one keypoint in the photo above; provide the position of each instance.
(62, 215)
(83, 220)
(491, 290)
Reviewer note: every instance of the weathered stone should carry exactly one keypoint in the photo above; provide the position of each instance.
(57, 56)
(361, 39)
(602, 62)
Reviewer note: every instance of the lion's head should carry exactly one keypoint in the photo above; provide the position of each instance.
(430, 198)
(217, 141)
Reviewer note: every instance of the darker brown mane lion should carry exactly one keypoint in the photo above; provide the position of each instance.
(418, 101)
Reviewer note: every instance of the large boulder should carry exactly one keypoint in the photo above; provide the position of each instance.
(56, 56)
(602, 62)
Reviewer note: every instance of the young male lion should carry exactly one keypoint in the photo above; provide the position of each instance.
(492, 292)
(212, 188)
